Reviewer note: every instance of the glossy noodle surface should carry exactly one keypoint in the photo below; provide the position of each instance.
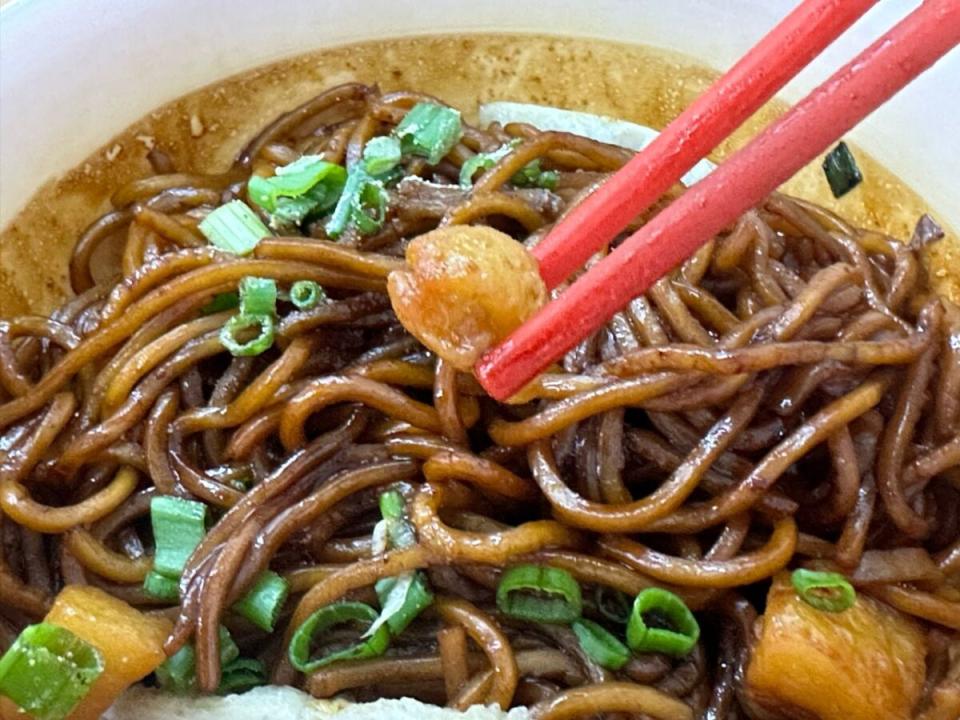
(788, 398)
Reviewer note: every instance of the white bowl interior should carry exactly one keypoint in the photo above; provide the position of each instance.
(73, 74)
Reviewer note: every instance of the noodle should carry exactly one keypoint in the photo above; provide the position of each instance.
(788, 397)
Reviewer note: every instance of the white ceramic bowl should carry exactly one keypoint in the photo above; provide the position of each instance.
(74, 73)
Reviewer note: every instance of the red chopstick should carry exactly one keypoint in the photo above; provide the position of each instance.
(742, 181)
(781, 54)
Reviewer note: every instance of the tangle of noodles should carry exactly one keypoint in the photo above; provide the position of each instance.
(789, 394)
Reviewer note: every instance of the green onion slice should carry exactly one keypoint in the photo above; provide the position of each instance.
(841, 170)
(393, 530)
(429, 130)
(48, 670)
(178, 527)
(661, 622)
(307, 186)
(178, 673)
(234, 227)
(532, 175)
(600, 644)
(264, 601)
(161, 587)
(392, 505)
(234, 330)
(258, 296)
(484, 161)
(827, 591)
(363, 205)
(221, 302)
(241, 675)
(540, 594)
(402, 599)
(306, 294)
(381, 155)
(342, 613)
(294, 180)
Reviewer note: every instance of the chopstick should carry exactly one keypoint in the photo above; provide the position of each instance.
(741, 182)
(726, 104)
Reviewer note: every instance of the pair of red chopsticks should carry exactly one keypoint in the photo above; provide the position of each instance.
(742, 181)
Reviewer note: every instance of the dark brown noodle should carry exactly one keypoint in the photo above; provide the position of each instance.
(791, 392)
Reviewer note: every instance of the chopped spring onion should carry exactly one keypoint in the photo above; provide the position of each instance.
(241, 675)
(258, 296)
(293, 180)
(178, 527)
(48, 670)
(661, 622)
(341, 613)
(221, 302)
(394, 530)
(484, 161)
(402, 600)
(841, 170)
(392, 505)
(308, 186)
(540, 594)
(161, 587)
(234, 227)
(532, 175)
(612, 604)
(381, 155)
(827, 591)
(178, 673)
(363, 205)
(305, 294)
(600, 644)
(233, 331)
(264, 601)
(429, 130)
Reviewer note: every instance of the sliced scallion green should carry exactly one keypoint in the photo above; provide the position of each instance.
(234, 228)
(48, 670)
(264, 601)
(429, 130)
(661, 622)
(161, 587)
(381, 155)
(484, 161)
(391, 505)
(308, 186)
(396, 529)
(827, 591)
(532, 175)
(302, 654)
(402, 599)
(241, 675)
(539, 594)
(600, 644)
(841, 170)
(294, 180)
(258, 296)
(306, 294)
(178, 527)
(238, 327)
(363, 205)
(178, 673)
